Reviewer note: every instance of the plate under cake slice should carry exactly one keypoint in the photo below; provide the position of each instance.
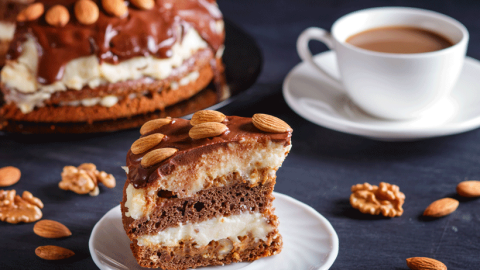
(199, 192)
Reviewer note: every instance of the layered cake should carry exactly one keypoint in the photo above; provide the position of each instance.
(86, 61)
(199, 192)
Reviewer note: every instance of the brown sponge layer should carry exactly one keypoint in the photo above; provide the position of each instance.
(186, 255)
(206, 204)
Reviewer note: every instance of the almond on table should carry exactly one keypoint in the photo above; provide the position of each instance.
(424, 263)
(442, 207)
(469, 189)
(51, 229)
(9, 176)
(53, 253)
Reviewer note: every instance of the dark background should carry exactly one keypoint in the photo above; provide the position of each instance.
(319, 171)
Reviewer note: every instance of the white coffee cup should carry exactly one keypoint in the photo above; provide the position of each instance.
(388, 85)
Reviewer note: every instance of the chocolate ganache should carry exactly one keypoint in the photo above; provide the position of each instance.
(189, 150)
(112, 39)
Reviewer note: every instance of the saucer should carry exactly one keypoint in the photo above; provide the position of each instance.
(310, 95)
(309, 241)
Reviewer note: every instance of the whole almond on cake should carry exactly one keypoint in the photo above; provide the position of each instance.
(270, 123)
(143, 4)
(32, 12)
(206, 116)
(57, 16)
(205, 130)
(86, 11)
(115, 7)
(145, 143)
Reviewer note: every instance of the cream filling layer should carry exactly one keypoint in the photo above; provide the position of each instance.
(109, 101)
(20, 75)
(244, 158)
(7, 30)
(214, 229)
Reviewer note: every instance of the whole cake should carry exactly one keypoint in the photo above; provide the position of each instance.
(199, 192)
(86, 61)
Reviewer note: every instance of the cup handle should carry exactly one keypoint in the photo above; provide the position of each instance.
(304, 52)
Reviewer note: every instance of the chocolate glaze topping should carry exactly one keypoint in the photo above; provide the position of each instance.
(189, 150)
(112, 39)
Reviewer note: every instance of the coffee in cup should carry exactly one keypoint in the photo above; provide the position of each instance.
(392, 83)
(399, 39)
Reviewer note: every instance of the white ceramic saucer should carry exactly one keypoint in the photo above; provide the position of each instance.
(309, 241)
(310, 95)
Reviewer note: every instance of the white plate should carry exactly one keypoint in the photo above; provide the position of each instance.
(309, 241)
(311, 96)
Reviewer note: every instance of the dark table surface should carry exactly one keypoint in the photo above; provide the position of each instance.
(319, 171)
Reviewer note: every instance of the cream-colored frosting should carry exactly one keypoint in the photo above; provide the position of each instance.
(109, 101)
(214, 229)
(7, 30)
(136, 202)
(20, 75)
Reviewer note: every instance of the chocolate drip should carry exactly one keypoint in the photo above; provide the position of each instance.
(111, 39)
(189, 150)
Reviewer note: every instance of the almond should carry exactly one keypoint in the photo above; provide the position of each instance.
(143, 144)
(86, 12)
(154, 124)
(57, 16)
(143, 4)
(270, 123)
(115, 7)
(424, 263)
(53, 252)
(157, 156)
(441, 207)
(51, 229)
(469, 189)
(32, 12)
(9, 175)
(205, 130)
(206, 116)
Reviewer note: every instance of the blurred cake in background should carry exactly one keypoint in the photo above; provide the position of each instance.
(85, 61)
(8, 12)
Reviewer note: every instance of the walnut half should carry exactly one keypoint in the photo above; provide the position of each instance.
(386, 199)
(15, 209)
(84, 179)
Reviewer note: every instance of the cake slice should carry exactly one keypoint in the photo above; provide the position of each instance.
(199, 192)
